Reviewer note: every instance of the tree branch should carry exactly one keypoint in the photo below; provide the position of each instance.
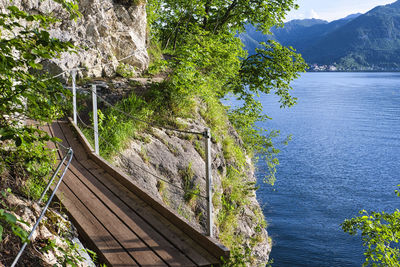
(226, 16)
(207, 12)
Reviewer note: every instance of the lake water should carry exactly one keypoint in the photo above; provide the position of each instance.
(344, 157)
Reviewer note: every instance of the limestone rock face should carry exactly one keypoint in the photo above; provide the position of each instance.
(170, 164)
(167, 164)
(107, 34)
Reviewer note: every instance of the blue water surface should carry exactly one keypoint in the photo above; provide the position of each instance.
(344, 157)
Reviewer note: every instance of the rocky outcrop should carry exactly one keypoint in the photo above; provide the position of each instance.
(54, 241)
(108, 34)
(170, 166)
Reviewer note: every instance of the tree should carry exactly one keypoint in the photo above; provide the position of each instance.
(208, 59)
(176, 18)
(206, 62)
(380, 233)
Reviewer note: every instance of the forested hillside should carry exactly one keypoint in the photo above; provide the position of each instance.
(369, 41)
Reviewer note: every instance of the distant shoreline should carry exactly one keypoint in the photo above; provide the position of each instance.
(356, 71)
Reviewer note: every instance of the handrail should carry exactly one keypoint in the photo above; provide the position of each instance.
(70, 153)
(208, 243)
(127, 159)
(206, 134)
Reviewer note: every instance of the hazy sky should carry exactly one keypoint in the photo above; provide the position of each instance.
(333, 9)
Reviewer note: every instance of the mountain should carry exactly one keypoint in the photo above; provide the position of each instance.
(369, 41)
(251, 38)
(296, 33)
(292, 31)
(352, 16)
(300, 33)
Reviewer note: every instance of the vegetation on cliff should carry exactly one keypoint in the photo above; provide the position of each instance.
(207, 60)
(196, 45)
(27, 93)
(197, 48)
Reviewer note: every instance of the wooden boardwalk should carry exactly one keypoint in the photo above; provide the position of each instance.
(124, 225)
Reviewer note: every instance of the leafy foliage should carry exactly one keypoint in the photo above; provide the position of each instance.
(8, 220)
(27, 93)
(271, 68)
(11, 220)
(380, 233)
(174, 19)
(205, 62)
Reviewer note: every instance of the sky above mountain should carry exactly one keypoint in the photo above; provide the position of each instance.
(333, 9)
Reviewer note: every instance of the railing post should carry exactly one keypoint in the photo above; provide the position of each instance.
(73, 74)
(95, 122)
(210, 220)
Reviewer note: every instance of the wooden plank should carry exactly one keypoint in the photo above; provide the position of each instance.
(92, 231)
(210, 244)
(200, 258)
(57, 128)
(91, 202)
(161, 246)
(184, 242)
(168, 230)
(144, 255)
(50, 144)
(150, 236)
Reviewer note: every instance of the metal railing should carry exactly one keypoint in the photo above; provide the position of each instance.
(206, 134)
(69, 154)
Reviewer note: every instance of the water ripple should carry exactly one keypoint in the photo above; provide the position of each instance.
(344, 157)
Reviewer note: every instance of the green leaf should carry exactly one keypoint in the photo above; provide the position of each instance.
(21, 233)
(9, 218)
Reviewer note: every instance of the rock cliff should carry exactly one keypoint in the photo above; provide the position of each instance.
(178, 159)
(170, 166)
(109, 33)
(54, 241)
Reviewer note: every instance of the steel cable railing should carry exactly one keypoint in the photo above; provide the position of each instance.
(137, 165)
(69, 154)
(146, 122)
(206, 134)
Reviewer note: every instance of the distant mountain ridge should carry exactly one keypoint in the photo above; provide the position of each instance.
(369, 41)
(297, 34)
